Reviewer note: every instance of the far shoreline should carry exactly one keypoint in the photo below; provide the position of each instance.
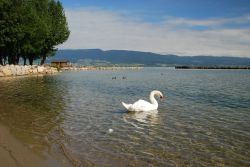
(214, 67)
(10, 71)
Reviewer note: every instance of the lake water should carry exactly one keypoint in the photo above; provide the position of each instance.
(203, 121)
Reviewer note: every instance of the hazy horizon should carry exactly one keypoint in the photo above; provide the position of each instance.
(163, 54)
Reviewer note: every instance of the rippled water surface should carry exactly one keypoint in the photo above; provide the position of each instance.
(203, 121)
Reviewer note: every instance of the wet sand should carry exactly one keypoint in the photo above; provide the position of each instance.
(14, 154)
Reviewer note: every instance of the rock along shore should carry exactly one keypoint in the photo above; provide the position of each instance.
(20, 70)
(90, 68)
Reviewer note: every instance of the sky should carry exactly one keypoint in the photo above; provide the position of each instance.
(182, 27)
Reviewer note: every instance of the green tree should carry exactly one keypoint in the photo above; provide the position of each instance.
(35, 29)
(31, 29)
(10, 30)
(59, 31)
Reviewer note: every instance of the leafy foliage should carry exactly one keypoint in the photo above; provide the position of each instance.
(31, 29)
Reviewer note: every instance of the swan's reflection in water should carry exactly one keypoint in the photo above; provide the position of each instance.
(137, 118)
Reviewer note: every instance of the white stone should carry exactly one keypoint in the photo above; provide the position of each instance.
(6, 71)
(27, 67)
(19, 70)
(1, 74)
(34, 71)
(54, 70)
(13, 69)
(30, 71)
(40, 69)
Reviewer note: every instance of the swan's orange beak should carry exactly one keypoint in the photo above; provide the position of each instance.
(161, 98)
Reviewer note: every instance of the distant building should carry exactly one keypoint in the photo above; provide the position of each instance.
(60, 63)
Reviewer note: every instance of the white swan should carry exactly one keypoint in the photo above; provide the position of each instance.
(142, 105)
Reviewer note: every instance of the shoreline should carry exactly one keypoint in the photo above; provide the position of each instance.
(14, 153)
(28, 70)
(94, 68)
(25, 70)
(213, 67)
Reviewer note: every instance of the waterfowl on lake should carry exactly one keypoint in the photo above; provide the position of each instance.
(142, 105)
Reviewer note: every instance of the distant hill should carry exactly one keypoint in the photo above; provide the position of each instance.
(97, 56)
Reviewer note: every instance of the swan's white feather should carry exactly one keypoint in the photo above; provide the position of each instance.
(127, 106)
(142, 105)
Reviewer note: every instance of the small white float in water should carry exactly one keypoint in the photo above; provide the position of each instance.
(111, 130)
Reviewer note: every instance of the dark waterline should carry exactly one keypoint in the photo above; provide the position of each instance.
(204, 121)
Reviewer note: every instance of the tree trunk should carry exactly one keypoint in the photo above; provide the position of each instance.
(24, 61)
(12, 59)
(9, 60)
(31, 60)
(43, 59)
(4, 60)
(17, 59)
(1, 60)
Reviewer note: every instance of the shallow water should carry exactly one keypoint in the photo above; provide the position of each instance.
(203, 121)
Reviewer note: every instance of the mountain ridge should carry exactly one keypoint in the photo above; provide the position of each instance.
(129, 57)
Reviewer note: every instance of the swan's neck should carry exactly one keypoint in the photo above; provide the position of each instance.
(152, 99)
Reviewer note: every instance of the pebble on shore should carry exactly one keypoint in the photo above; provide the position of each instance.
(20, 70)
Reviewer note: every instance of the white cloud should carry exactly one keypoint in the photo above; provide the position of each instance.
(212, 23)
(96, 28)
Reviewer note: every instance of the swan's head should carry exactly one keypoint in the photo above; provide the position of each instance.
(157, 93)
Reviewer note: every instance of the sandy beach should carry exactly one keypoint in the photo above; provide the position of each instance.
(14, 154)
